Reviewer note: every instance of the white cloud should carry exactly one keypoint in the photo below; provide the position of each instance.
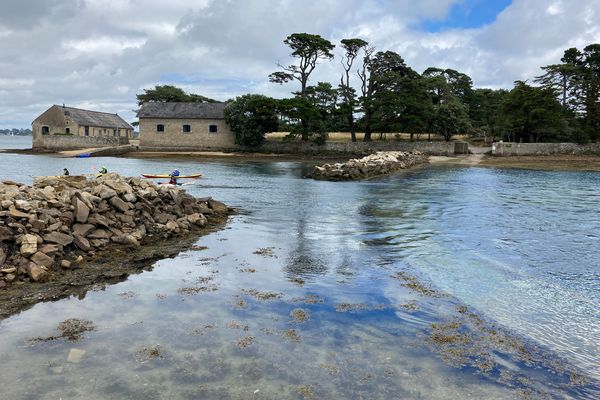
(100, 54)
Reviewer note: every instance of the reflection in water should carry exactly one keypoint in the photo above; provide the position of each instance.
(412, 286)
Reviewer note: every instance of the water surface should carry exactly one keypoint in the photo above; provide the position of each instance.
(311, 292)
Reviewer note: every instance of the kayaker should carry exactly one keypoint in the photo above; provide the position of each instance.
(65, 172)
(103, 171)
(173, 175)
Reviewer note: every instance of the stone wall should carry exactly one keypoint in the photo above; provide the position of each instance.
(363, 148)
(540, 149)
(66, 142)
(173, 138)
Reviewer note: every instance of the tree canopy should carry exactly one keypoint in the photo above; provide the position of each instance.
(168, 93)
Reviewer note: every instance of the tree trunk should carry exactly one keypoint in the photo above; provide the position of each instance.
(367, 127)
(352, 127)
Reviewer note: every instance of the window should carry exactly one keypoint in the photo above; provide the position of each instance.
(67, 130)
(186, 128)
(45, 130)
(160, 128)
(212, 128)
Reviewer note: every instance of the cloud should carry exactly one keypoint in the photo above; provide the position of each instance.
(101, 53)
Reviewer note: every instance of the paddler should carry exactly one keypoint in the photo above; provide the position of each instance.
(65, 172)
(173, 175)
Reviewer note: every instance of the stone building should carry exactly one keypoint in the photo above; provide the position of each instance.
(68, 127)
(184, 126)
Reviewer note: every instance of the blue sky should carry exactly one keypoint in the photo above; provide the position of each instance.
(468, 14)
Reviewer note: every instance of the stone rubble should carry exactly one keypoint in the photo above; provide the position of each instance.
(380, 163)
(53, 226)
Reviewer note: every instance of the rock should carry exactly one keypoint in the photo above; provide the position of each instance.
(172, 226)
(23, 205)
(49, 248)
(130, 197)
(105, 192)
(119, 204)
(217, 206)
(98, 219)
(98, 234)
(48, 193)
(81, 242)
(75, 355)
(3, 256)
(6, 234)
(37, 224)
(54, 227)
(83, 229)
(10, 277)
(163, 218)
(81, 211)
(37, 273)
(42, 259)
(57, 237)
(13, 212)
(29, 245)
(8, 270)
(65, 264)
(197, 219)
(6, 204)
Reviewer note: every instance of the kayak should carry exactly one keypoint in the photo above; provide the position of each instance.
(193, 176)
(176, 184)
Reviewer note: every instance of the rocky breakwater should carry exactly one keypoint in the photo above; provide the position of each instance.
(380, 163)
(59, 223)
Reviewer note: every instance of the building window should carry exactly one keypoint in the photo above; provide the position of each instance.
(67, 130)
(45, 130)
(212, 128)
(160, 128)
(186, 128)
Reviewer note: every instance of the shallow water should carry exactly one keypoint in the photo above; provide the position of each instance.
(435, 283)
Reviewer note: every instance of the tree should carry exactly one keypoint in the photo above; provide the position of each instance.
(485, 112)
(380, 79)
(250, 117)
(533, 114)
(352, 47)
(577, 84)
(451, 118)
(308, 48)
(168, 93)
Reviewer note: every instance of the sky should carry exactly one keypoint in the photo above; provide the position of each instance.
(98, 54)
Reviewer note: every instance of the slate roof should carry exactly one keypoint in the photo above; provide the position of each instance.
(182, 110)
(95, 118)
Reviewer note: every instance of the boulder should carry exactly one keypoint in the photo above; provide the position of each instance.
(37, 273)
(57, 237)
(23, 205)
(83, 229)
(3, 256)
(104, 192)
(6, 234)
(42, 259)
(29, 245)
(54, 227)
(49, 248)
(81, 242)
(119, 204)
(65, 264)
(13, 212)
(99, 234)
(81, 210)
(217, 206)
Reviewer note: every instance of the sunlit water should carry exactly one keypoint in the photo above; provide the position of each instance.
(520, 248)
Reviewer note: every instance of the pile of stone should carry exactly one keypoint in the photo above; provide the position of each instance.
(380, 163)
(59, 222)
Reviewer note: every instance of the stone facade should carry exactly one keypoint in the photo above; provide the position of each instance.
(79, 128)
(173, 137)
(184, 126)
(363, 148)
(540, 149)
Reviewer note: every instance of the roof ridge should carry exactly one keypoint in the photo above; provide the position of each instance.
(83, 109)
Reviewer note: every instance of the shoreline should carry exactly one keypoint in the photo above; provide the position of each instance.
(555, 162)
